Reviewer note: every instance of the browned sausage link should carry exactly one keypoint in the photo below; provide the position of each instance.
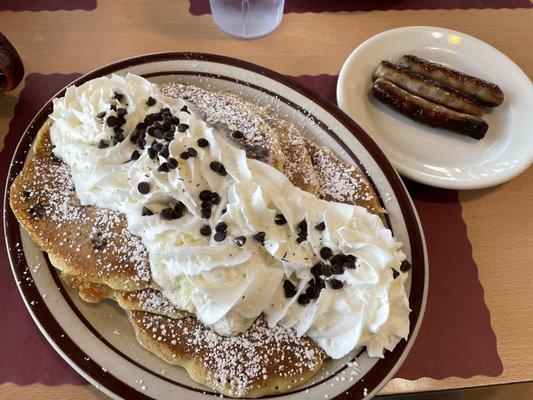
(487, 93)
(427, 112)
(428, 88)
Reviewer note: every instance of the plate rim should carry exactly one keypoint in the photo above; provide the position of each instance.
(425, 178)
(42, 315)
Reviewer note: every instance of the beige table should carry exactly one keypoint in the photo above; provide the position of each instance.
(499, 220)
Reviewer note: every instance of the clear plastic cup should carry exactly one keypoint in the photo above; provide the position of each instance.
(247, 19)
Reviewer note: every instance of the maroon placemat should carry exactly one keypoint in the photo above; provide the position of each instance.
(201, 7)
(456, 338)
(48, 5)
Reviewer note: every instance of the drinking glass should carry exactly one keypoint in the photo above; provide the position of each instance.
(247, 19)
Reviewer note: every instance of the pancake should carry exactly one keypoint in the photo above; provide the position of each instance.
(95, 253)
(255, 363)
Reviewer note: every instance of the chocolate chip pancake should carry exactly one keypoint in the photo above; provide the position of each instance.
(95, 252)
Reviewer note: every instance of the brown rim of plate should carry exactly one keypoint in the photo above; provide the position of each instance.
(65, 345)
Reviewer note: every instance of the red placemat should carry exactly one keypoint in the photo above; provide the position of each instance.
(201, 7)
(456, 338)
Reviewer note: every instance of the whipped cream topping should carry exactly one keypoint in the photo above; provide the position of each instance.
(228, 286)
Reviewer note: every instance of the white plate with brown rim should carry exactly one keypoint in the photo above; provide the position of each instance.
(85, 335)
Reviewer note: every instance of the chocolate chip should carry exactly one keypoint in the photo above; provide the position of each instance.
(237, 135)
(215, 198)
(192, 152)
(172, 163)
(317, 269)
(121, 111)
(217, 167)
(279, 219)
(101, 114)
(205, 195)
(182, 127)
(302, 226)
(135, 155)
(113, 107)
(337, 259)
(134, 137)
(99, 244)
(26, 194)
(240, 240)
(141, 143)
(158, 133)
(150, 102)
(140, 126)
(152, 153)
(103, 144)
(166, 126)
(338, 269)
(184, 109)
(335, 284)
(146, 211)
(289, 286)
(111, 121)
(349, 262)
(206, 205)
(259, 237)
(168, 137)
(325, 253)
(37, 211)
(326, 271)
(118, 137)
(318, 282)
(395, 274)
(202, 142)
(143, 187)
(303, 299)
(157, 146)
(163, 167)
(320, 226)
(119, 96)
(219, 236)
(223, 211)
(206, 213)
(184, 155)
(405, 266)
(179, 207)
(312, 292)
(205, 230)
(301, 238)
(221, 227)
(168, 213)
(164, 152)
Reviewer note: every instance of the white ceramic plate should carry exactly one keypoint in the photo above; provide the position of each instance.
(434, 156)
(97, 340)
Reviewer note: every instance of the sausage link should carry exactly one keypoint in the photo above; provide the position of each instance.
(487, 93)
(428, 89)
(427, 112)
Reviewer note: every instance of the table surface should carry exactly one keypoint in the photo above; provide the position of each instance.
(499, 220)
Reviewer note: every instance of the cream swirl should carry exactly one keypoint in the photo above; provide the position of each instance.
(225, 285)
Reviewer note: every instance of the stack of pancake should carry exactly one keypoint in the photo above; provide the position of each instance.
(95, 253)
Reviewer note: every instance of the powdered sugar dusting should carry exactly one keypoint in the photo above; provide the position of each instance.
(47, 194)
(236, 364)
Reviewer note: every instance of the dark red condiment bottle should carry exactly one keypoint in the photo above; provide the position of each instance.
(11, 68)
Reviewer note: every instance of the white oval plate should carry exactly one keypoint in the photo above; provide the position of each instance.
(97, 341)
(434, 156)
